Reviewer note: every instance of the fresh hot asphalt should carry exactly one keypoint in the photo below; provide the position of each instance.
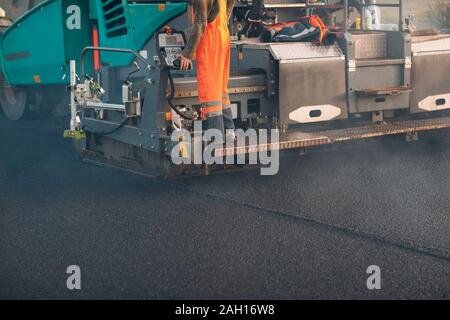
(310, 232)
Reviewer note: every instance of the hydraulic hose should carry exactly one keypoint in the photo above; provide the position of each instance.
(103, 133)
(171, 96)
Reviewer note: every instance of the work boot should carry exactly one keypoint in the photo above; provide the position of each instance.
(228, 122)
(215, 121)
(228, 118)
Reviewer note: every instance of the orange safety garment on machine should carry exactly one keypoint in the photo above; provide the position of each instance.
(213, 65)
(317, 22)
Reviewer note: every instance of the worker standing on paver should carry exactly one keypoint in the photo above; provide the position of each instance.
(209, 45)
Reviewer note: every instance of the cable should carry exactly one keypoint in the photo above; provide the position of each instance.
(103, 133)
(171, 96)
(164, 66)
(124, 122)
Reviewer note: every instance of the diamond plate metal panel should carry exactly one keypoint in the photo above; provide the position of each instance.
(304, 50)
(370, 45)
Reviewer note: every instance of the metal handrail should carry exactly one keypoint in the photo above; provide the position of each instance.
(398, 5)
(129, 51)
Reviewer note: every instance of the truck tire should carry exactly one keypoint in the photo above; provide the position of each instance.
(13, 101)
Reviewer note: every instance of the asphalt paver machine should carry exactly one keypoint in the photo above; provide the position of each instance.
(118, 61)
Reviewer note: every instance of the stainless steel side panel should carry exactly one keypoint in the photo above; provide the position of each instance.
(311, 82)
(430, 81)
(378, 77)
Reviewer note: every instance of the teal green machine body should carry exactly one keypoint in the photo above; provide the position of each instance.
(37, 48)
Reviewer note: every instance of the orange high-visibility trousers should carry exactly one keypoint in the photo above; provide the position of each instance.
(213, 72)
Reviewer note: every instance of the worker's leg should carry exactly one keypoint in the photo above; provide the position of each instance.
(227, 114)
(209, 80)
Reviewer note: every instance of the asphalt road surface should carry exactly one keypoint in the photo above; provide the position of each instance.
(310, 232)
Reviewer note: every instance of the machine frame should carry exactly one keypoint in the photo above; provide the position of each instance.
(370, 83)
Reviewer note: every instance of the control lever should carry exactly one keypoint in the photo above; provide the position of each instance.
(170, 43)
(177, 64)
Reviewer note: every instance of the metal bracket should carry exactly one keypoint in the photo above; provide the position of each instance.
(408, 63)
(351, 65)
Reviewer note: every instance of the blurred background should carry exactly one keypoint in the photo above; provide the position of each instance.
(428, 13)
(15, 8)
